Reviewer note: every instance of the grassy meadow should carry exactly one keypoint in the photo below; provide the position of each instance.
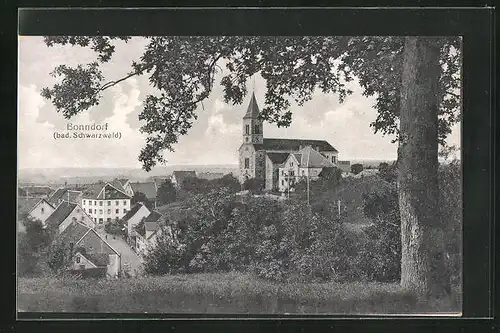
(220, 293)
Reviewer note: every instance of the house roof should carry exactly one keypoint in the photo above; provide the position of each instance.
(63, 194)
(98, 259)
(25, 205)
(73, 233)
(294, 145)
(252, 109)
(107, 191)
(60, 214)
(151, 226)
(39, 202)
(181, 175)
(277, 158)
(310, 158)
(118, 185)
(147, 188)
(154, 216)
(37, 190)
(122, 181)
(210, 175)
(135, 208)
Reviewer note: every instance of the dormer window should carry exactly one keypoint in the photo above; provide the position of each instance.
(43, 210)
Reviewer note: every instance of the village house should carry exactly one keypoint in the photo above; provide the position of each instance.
(89, 251)
(307, 163)
(105, 202)
(67, 213)
(64, 194)
(178, 177)
(262, 158)
(345, 166)
(41, 211)
(149, 189)
(148, 231)
(210, 175)
(134, 216)
(34, 191)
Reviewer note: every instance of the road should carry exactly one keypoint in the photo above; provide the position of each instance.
(128, 257)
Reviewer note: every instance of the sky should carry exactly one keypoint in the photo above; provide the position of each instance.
(214, 138)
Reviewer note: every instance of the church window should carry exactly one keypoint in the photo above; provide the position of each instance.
(247, 129)
(247, 163)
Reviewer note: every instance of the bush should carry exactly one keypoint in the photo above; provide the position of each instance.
(115, 228)
(254, 185)
(381, 255)
(356, 168)
(167, 193)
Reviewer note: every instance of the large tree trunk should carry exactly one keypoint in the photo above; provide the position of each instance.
(422, 262)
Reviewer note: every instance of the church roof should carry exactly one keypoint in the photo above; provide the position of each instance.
(293, 145)
(277, 158)
(310, 158)
(253, 108)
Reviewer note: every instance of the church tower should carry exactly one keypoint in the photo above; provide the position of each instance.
(252, 125)
(251, 154)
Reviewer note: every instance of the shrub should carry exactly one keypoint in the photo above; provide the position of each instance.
(254, 185)
(115, 228)
(167, 193)
(381, 254)
(356, 168)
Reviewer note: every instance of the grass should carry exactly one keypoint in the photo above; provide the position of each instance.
(228, 293)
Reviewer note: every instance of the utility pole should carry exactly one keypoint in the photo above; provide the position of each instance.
(307, 176)
(288, 182)
(339, 207)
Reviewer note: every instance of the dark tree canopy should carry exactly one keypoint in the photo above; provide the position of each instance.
(182, 69)
(167, 192)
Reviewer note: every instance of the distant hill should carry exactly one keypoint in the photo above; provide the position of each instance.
(58, 176)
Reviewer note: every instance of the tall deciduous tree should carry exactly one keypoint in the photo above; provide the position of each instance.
(417, 77)
(167, 192)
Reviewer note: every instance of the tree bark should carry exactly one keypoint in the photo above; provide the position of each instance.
(422, 263)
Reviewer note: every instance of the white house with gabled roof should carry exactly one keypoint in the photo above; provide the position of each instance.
(41, 211)
(105, 202)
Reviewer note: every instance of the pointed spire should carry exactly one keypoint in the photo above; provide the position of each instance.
(253, 108)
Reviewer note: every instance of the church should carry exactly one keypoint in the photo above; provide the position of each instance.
(280, 162)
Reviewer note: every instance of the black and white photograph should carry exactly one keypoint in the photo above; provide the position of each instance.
(240, 175)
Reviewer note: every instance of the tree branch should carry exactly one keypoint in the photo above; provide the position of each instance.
(452, 94)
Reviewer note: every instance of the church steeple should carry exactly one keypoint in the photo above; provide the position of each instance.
(252, 125)
(253, 108)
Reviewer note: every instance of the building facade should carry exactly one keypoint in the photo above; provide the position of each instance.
(41, 211)
(262, 158)
(105, 203)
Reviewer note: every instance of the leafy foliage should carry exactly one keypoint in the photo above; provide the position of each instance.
(59, 257)
(382, 252)
(141, 197)
(114, 227)
(183, 69)
(254, 185)
(167, 193)
(33, 246)
(356, 168)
